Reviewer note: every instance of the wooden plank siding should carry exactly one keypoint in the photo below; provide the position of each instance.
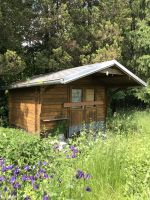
(52, 110)
(39, 109)
(23, 109)
(56, 103)
(100, 94)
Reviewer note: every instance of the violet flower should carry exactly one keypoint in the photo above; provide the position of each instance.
(79, 174)
(73, 148)
(45, 196)
(24, 178)
(16, 185)
(6, 168)
(16, 171)
(73, 155)
(35, 186)
(44, 163)
(46, 175)
(88, 189)
(39, 163)
(27, 168)
(2, 178)
(27, 198)
(1, 162)
(87, 176)
(13, 179)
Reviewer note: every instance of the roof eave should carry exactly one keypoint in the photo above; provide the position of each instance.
(130, 74)
(42, 83)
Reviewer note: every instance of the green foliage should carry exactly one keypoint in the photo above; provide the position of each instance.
(11, 64)
(44, 36)
(115, 168)
(123, 123)
(136, 48)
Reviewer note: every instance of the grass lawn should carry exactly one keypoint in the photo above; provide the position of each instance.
(115, 168)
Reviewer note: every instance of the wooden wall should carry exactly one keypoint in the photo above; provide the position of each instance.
(39, 109)
(54, 97)
(23, 109)
(52, 109)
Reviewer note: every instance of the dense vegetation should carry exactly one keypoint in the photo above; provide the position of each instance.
(39, 36)
(113, 168)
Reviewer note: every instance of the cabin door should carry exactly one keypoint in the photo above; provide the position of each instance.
(76, 112)
(90, 110)
(80, 114)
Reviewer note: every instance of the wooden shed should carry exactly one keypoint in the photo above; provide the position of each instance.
(73, 96)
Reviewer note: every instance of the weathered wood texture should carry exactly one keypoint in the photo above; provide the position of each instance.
(24, 109)
(57, 106)
(52, 110)
(41, 109)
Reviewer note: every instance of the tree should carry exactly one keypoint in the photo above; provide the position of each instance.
(136, 52)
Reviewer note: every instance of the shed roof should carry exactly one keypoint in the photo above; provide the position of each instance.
(72, 74)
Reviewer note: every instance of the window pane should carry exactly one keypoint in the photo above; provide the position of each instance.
(89, 94)
(76, 95)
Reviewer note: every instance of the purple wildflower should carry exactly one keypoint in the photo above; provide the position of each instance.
(73, 148)
(2, 178)
(39, 163)
(10, 167)
(16, 171)
(32, 178)
(44, 163)
(88, 189)
(41, 170)
(73, 155)
(16, 185)
(35, 186)
(27, 198)
(6, 168)
(24, 178)
(45, 175)
(45, 196)
(13, 179)
(87, 176)
(27, 168)
(1, 162)
(79, 174)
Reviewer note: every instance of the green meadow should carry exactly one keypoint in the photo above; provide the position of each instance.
(115, 167)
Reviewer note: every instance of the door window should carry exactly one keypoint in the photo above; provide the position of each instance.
(76, 95)
(89, 96)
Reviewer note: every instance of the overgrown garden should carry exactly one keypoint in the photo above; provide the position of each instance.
(88, 167)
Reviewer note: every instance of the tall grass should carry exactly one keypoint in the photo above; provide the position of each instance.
(118, 167)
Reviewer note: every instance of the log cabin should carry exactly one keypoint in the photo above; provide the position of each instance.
(72, 96)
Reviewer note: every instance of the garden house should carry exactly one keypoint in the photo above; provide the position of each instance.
(72, 96)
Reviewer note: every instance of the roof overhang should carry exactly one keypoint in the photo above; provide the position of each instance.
(72, 74)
